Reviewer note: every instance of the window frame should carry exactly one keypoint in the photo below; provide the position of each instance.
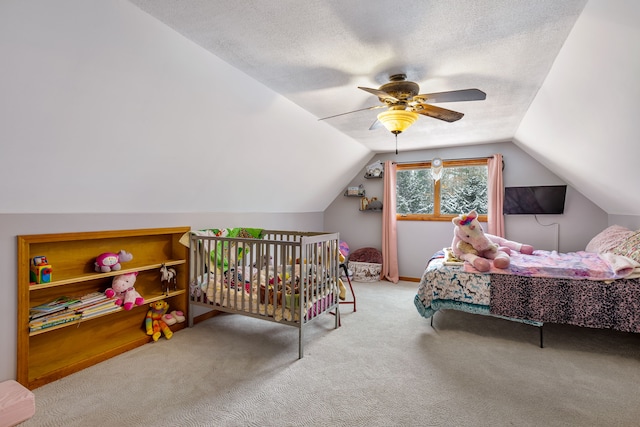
(436, 215)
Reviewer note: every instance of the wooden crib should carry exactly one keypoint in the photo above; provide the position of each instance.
(287, 277)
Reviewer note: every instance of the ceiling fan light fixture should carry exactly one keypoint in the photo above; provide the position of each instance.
(397, 121)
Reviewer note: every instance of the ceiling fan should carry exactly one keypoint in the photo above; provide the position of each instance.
(404, 104)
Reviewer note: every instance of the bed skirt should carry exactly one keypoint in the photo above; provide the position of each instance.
(586, 303)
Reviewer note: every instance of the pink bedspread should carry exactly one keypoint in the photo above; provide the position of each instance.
(571, 265)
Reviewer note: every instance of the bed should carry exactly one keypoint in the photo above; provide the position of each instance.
(287, 277)
(598, 287)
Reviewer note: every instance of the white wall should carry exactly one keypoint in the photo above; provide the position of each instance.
(105, 109)
(630, 221)
(418, 240)
(583, 122)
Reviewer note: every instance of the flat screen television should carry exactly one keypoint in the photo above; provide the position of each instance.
(539, 200)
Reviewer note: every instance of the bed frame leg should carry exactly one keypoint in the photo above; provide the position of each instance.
(541, 343)
(432, 316)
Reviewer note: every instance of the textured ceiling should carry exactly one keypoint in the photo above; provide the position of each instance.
(316, 53)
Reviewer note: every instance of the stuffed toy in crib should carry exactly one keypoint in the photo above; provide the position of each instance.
(153, 322)
(122, 288)
(472, 244)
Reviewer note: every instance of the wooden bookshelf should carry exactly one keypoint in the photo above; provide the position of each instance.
(52, 353)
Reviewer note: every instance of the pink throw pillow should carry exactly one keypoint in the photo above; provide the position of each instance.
(608, 239)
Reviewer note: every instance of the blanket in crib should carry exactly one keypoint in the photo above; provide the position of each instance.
(571, 265)
(250, 298)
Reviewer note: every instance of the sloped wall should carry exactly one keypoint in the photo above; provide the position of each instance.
(105, 109)
(583, 121)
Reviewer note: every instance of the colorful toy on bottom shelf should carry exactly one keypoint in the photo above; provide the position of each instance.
(110, 261)
(153, 322)
(122, 289)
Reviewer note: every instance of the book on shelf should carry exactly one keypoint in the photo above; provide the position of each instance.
(98, 306)
(91, 304)
(54, 316)
(60, 303)
(104, 310)
(66, 309)
(53, 321)
(39, 315)
(64, 304)
(88, 299)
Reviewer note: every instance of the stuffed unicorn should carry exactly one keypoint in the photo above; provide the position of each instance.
(471, 244)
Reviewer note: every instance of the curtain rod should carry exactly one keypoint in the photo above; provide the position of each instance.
(444, 160)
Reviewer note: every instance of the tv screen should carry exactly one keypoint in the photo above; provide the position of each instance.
(540, 200)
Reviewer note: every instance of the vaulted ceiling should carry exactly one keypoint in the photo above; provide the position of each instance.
(317, 53)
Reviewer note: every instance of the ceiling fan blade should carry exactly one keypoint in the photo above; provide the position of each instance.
(380, 94)
(437, 112)
(452, 96)
(354, 111)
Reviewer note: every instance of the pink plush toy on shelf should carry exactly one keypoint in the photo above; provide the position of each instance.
(472, 244)
(122, 289)
(110, 261)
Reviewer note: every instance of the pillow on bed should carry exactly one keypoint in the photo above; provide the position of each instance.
(608, 239)
(630, 247)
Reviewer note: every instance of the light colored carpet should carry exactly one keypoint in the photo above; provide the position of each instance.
(386, 366)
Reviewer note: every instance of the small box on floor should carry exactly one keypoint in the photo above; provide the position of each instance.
(365, 271)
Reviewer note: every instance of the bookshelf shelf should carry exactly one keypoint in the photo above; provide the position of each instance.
(94, 276)
(81, 321)
(41, 358)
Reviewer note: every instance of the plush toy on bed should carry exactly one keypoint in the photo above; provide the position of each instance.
(122, 289)
(153, 322)
(471, 244)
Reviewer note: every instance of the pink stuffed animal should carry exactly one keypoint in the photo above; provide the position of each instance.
(122, 289)
(471, 244)
(110, 261)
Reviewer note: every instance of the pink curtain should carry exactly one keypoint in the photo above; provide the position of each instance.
(389, 229)
(495, 218)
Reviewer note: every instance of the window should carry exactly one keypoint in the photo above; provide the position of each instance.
(463, 187)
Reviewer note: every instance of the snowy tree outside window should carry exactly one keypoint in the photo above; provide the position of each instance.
(463, 187)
